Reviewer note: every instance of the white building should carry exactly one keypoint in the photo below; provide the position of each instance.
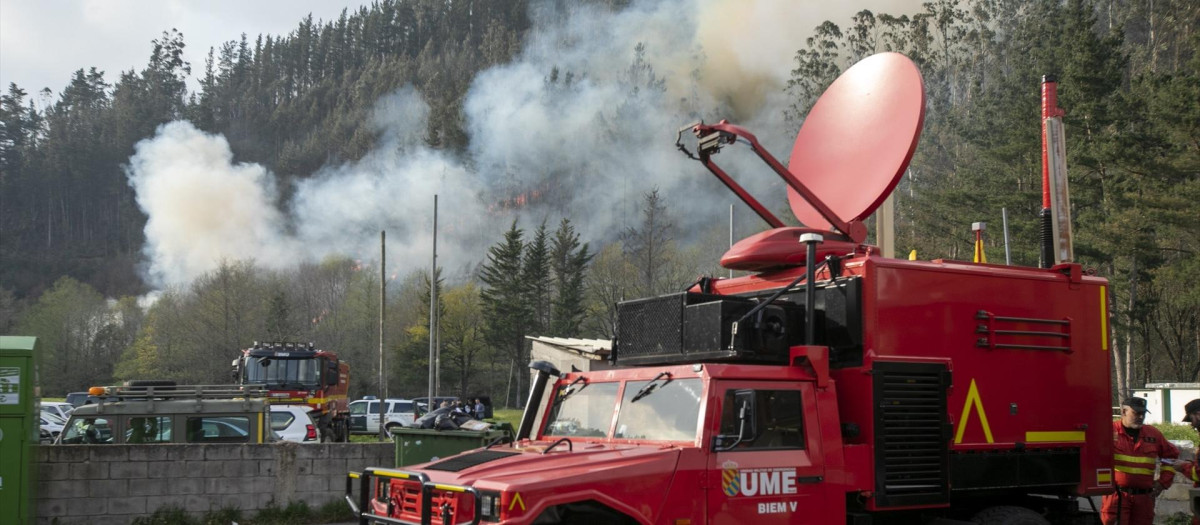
(568, 354)
(1166, 400)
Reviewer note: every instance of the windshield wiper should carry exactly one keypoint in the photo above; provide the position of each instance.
(649, 388)
(568, 391)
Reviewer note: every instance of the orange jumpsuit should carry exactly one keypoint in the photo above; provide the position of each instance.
(1192, 473)
(1134, 463)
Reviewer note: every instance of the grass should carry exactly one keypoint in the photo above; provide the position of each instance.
(1178, 431)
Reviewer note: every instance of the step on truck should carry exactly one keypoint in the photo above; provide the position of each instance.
(829, 385)
(301, 374)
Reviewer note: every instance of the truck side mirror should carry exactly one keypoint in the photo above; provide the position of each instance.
(747, 422)
(743, 402)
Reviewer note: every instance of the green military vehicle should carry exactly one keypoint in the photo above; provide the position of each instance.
(162, 412)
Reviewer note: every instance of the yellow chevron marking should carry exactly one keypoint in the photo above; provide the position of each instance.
(515, 500)
(972, 400)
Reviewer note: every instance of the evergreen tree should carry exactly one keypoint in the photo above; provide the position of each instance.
(535, 277)
(506, 310)
(650, 247)
(569, 263)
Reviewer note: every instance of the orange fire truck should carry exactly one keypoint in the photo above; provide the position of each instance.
(300, 374)
(831, 385)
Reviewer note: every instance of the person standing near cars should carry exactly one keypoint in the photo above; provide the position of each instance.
(479, 408)
(1137, 449)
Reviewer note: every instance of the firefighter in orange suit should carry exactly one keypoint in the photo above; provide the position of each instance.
(1137, 449)
(1188, 469)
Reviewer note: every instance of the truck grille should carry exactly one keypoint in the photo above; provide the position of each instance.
(911, 434)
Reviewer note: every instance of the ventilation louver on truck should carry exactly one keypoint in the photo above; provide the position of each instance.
(912, 439)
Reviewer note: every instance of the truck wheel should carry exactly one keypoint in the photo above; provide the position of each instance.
(1009, 515)
(582, 512)
(343, 431)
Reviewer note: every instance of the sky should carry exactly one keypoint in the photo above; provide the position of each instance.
(43, 42)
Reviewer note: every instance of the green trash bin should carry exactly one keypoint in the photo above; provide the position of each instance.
(19, 427)
(419, 445)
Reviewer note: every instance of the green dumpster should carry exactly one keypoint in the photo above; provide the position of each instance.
(19, 427)
(418, 445)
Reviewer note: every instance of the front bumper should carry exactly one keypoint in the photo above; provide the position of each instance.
(365, 512)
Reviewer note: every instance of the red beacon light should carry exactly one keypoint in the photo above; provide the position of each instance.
(852, 149)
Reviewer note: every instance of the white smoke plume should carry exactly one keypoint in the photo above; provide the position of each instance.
(581, 124)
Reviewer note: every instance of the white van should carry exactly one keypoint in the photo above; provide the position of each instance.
(364, 415)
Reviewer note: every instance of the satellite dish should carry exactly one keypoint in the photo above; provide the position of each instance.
(858, 139)
(852, 149)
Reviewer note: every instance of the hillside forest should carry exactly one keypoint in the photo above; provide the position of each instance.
(90, 264)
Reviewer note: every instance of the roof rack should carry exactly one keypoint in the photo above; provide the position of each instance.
(169, 391)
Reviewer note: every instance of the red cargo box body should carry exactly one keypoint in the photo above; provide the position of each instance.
(1027, 353)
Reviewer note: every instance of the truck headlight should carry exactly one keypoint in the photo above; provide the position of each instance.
(489, 506)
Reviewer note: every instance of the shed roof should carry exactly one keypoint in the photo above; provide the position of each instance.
(591, 348)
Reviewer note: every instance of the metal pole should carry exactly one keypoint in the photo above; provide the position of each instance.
(1004, 221)
(731, 235)
(432, 314)
(382, 309)
(810, 286)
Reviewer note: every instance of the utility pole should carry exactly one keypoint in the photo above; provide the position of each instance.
(433, 367)
(382, 310)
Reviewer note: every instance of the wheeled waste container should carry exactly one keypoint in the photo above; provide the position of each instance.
(18, 428)
(418, 445)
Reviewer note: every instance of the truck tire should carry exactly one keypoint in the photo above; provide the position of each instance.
(582, 512)
(1009, 515)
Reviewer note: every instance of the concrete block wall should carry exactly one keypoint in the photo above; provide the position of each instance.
(103, 484)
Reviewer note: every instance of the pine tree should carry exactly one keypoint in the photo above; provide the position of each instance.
(535, 277)
(506, 311)
(569, 262)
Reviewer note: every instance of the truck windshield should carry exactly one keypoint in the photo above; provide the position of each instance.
(274, 372)
(669, 413)
(583, 410)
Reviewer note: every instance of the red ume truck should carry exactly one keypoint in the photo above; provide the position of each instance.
(830, 385)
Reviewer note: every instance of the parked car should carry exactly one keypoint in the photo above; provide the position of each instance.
(51, 427)
(77, 398)
(364, 415)
(172, 414)
(58, 408)
(293, 423)
(422, 403)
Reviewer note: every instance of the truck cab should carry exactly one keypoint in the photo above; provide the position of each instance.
(633, 446)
